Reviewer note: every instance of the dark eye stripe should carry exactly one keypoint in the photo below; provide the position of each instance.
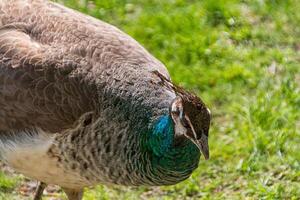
(175, 112)
(185, 123)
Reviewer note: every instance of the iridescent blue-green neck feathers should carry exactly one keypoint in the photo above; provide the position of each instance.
(160, 138)
(166, 155)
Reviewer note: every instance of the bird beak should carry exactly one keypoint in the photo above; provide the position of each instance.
(202, 144)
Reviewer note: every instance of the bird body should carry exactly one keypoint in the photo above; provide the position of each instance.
(83, 103)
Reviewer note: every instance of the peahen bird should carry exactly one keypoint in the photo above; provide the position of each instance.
(82, 103)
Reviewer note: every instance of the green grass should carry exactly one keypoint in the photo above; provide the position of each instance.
(243, 58)
(7, 183)
(7, 186)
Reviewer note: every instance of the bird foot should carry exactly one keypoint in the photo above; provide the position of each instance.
(39, 191)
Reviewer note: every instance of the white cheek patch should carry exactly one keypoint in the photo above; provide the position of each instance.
(179, 128)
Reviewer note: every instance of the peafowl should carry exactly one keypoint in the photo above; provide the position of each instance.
(82, 103)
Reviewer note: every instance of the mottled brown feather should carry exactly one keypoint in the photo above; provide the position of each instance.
(97, 91)
(52, 60)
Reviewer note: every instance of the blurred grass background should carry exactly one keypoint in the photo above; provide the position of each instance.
(243, 58)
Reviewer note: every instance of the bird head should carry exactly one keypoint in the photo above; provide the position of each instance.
(191, 120)
(190, 115)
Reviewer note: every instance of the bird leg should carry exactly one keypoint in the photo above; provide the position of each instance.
(73, 194)
(39, 191)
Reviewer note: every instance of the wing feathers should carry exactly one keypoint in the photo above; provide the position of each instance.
(37, 86)
(57, 64)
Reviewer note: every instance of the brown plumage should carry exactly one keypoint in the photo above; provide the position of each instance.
(41, 43)
(83, 103)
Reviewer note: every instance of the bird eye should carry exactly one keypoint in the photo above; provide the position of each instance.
(176, 111)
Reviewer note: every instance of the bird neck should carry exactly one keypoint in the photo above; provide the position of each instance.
(167, 152)
(161, 136)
